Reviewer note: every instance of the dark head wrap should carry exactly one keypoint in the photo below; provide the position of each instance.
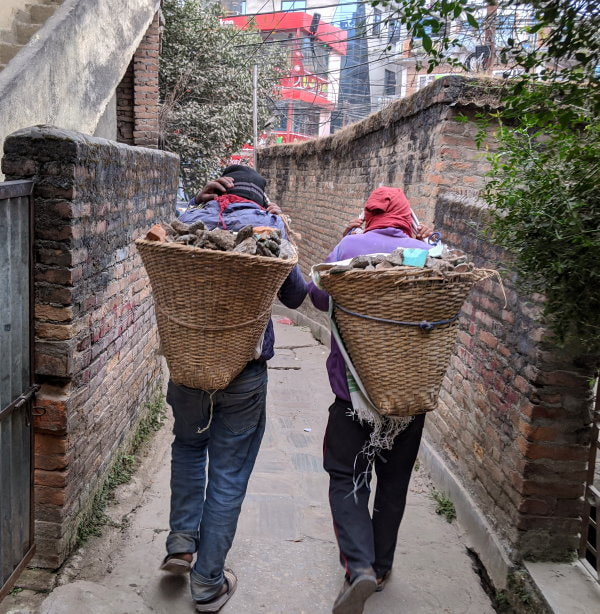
(247, 183)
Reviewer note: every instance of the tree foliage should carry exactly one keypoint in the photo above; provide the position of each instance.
(206, 87)
(543, 186)
(544, 190)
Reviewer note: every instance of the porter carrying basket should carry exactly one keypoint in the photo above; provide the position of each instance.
(399, 327)
(212, 308)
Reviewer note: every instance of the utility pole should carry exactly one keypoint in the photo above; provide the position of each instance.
(255, 112)
(490, 35)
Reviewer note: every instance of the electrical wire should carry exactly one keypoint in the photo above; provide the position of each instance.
(308, 8)
(381, 58)
(350, 108)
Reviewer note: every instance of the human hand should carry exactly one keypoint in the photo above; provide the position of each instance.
(213, 189)
(274, 209)
(352, 224)
(423, 231)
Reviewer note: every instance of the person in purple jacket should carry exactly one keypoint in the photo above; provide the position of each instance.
(204, 513)
(366, 543)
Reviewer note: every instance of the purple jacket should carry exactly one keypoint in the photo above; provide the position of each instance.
(383, 240)
(238, 215)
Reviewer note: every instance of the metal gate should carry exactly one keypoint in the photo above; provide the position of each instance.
(590, 536)
(16, 381)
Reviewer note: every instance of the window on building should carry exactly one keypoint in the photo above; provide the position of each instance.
(315, 56)
(293, 5)
(377, 22)
(440, 31)
(234, 7)
(280, 111)
(401, 82)
(507, 73)
(389, 83)
(393, 32)
(305, 120)
(505, 29)
(425, 80)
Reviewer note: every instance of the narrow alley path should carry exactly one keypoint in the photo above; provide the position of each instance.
(284, 553)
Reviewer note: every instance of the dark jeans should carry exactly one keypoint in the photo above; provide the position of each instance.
(204, 513)
(367, 543)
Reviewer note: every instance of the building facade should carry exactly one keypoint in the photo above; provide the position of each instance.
(308, 92)
(478, 49)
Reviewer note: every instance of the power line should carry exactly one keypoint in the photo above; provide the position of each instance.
(353, 107)
(525, 21)
(316, 74)
(301, 38)
(384, 46)
(309, 8)
(381, 59)
(284, 13)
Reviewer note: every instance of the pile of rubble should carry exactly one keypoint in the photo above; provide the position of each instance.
(253, 240)
(448, 261)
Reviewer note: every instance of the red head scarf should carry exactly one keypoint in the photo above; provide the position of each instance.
(228, 199)
(388, 208)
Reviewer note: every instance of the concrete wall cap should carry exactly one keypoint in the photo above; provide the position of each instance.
(68, 72)
(47, 132)
(452, 90)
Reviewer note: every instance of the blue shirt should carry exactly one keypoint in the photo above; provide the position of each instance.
(236, 216)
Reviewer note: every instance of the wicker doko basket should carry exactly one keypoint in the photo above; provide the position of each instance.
(212, 308)
(401, 365)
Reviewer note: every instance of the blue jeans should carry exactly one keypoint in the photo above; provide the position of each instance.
(204, 514)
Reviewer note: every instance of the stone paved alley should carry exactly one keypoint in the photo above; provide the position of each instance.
(284, 553)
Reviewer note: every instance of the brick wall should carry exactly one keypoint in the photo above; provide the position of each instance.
(521, 411)
(96, 339)
(416, 143)
(125, 117)
(137, 94)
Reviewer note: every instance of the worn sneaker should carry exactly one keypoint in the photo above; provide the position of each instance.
(352, 597)
(222, 597)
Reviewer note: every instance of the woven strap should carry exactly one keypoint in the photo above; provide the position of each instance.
(203, 327)
(426, 326)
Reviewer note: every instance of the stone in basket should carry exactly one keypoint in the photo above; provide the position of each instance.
(399, 327)
(212, 308)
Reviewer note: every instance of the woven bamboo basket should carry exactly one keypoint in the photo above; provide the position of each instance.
(400, 365)
(212, 308)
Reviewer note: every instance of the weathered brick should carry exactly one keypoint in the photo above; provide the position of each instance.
(50, 444)
(49, 495)
(54, 479)
(86, 278)
(138, 124)
(51, 462)
(536, 432)
(50, 415)
(54, 314)
(552, 452)
(538, 507)
(510, 421)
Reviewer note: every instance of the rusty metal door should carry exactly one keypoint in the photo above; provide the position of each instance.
(16, 381)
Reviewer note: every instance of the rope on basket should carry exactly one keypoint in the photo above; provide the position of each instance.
(424, 325)
(210, 395)
(203, 327)
(293, 236)
(493, 273)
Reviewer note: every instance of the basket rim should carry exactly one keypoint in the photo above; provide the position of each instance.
(409, 274)
(214, 252)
